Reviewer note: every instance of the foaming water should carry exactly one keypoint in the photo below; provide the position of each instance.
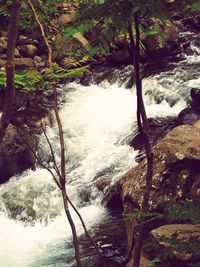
(98, 122)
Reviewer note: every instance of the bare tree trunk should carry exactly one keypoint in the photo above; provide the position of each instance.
(10, 68)
(143, 128)
(63, 182)
(42, 33)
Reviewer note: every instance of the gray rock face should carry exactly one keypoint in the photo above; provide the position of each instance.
(176, 160)
(176, 175)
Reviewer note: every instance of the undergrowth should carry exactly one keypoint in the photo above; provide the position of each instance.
(32, 80)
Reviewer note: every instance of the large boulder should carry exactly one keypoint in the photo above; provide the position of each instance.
(176, 174)
(176, 171)
(15, 155)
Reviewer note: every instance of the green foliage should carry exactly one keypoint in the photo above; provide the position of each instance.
(46, 10)
(193, 7)
(173, 211)
(184, 210)
(29, 81)
(26, 81)
(57, 73)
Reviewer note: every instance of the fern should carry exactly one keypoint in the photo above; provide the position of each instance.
(58, 73)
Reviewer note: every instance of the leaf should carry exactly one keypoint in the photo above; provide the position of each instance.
(152, 31)
(69, 32)
(194, 7)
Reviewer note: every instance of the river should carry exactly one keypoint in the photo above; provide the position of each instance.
(99, 122)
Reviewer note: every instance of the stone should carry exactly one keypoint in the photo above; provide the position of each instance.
(24, 40)
(38, 59)
(14, 150)
(176, 174)
(3, 44)
(2, 63)
(188, 116)
(176, 159)
(17, 54)
(28, 50)
(180, 232)
(195, 95)
(3, 56)
(120, 57)
(24, 63)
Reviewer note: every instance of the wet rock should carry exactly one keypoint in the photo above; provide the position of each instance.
(28, 50)
(103, 182)
(195, 95)
(112, 198)
(14, 150)
(176, 174)
(24, 63)
(176, 160)
(188, 116)
(121, 57)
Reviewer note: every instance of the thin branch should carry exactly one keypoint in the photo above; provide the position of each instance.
(42, 33)
(51, 149)
(37, 158)
(63, 182)
(86, 231)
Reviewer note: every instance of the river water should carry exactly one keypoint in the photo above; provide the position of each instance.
(99, 122)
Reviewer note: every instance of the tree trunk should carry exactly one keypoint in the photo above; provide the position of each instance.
(62, 177)
(143, 128)
(10, 68)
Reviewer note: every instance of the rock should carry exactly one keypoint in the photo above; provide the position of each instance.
(15, 155)
(112, 198)
(17, 54)
(24, 40)
(121, 57)
(29, 50)
(178, 232)
(196, 124)
(188, 116)
(38, 59)
(3, 56)
(176, 174)
(2, 63)
(195, 95)
(24, 63)
(3, 44)
(176, 160)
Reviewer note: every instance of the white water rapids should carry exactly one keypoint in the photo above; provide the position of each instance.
(98, 122)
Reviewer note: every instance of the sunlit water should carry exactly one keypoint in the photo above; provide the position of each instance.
(98, 121)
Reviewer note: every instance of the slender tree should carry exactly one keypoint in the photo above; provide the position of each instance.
(10, 68)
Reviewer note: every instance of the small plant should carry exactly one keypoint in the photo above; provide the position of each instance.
(26, 81)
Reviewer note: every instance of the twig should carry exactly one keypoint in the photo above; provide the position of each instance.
(37, 158)
(42, 33)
